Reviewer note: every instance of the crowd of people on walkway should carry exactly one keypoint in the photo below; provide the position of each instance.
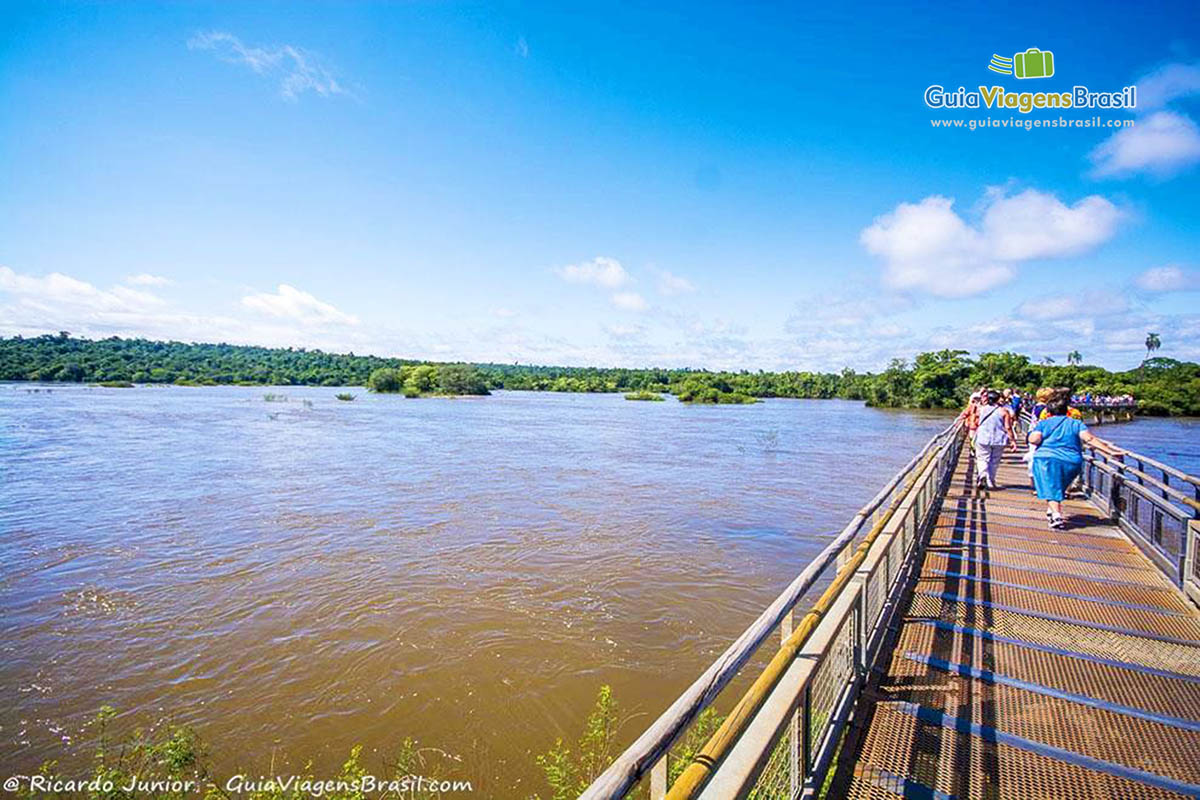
(1054, 442)
(1103, 400)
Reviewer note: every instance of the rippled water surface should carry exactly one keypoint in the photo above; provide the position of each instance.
(294, 577)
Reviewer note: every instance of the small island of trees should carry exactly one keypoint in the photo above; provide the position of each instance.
(425, 380)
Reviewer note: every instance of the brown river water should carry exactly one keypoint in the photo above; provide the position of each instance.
(292, 577)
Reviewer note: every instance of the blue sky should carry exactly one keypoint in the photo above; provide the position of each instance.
(723, 186)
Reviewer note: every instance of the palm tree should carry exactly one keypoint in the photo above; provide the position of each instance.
(1074, 358)
(1152, 344)
(1047, 360)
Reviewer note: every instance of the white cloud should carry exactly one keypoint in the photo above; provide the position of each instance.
(607, 273)
(1073, 306)
(298, 70)
(292, 303)
(928, 247)
(1170, 278)
(1162, 144)
(856, 326)
(625, 332)
(1034, 224)
(856, 307)
(1166, 84)
(58, 291)
(504, 313)
(146, 279)
(31, 305)
(522, 47)
(671, 285)
(629, 301)
(37, 304)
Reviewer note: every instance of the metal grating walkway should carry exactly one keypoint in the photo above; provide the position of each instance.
(1029, 663)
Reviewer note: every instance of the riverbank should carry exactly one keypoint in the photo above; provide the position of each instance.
(942, 379)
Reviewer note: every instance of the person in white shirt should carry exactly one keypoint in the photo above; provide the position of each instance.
(993, 434)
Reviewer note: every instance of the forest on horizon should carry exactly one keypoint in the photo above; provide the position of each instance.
(941, 379)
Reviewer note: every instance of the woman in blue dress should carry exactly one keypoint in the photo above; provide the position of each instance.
(1058, 459)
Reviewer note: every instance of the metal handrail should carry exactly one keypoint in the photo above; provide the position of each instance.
(1165, 469)
(653, 745)
(739, 718)
(1128, 488)
(1118, 470)
(648, 754)
(838, 640)
(1168, 492)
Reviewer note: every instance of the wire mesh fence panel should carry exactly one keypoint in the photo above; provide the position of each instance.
(831, 678)
(779, 779)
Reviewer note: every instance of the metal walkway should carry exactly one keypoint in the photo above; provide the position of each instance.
(1029, 663)
(961, 649)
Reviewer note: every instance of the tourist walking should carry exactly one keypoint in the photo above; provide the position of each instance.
(993, 435)
(1058, 460)
(970, 414)
(1040, 399)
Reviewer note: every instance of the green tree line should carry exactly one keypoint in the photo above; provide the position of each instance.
(941, 379)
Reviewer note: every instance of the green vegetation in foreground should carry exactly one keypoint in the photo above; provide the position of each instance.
(569, 771)
(170, 762)
(345, 397)
(942, 379)
(646, 396)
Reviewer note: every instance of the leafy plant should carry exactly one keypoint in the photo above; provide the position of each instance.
(170, 762)
(693, 741)
(569, 772)
(167, 762)
(345, 397)
(385, 379)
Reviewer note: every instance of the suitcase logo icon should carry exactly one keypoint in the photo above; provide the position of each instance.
(1033, 63)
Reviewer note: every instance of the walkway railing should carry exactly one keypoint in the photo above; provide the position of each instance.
(782, 734)
(873, 540)
(1157, 505)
